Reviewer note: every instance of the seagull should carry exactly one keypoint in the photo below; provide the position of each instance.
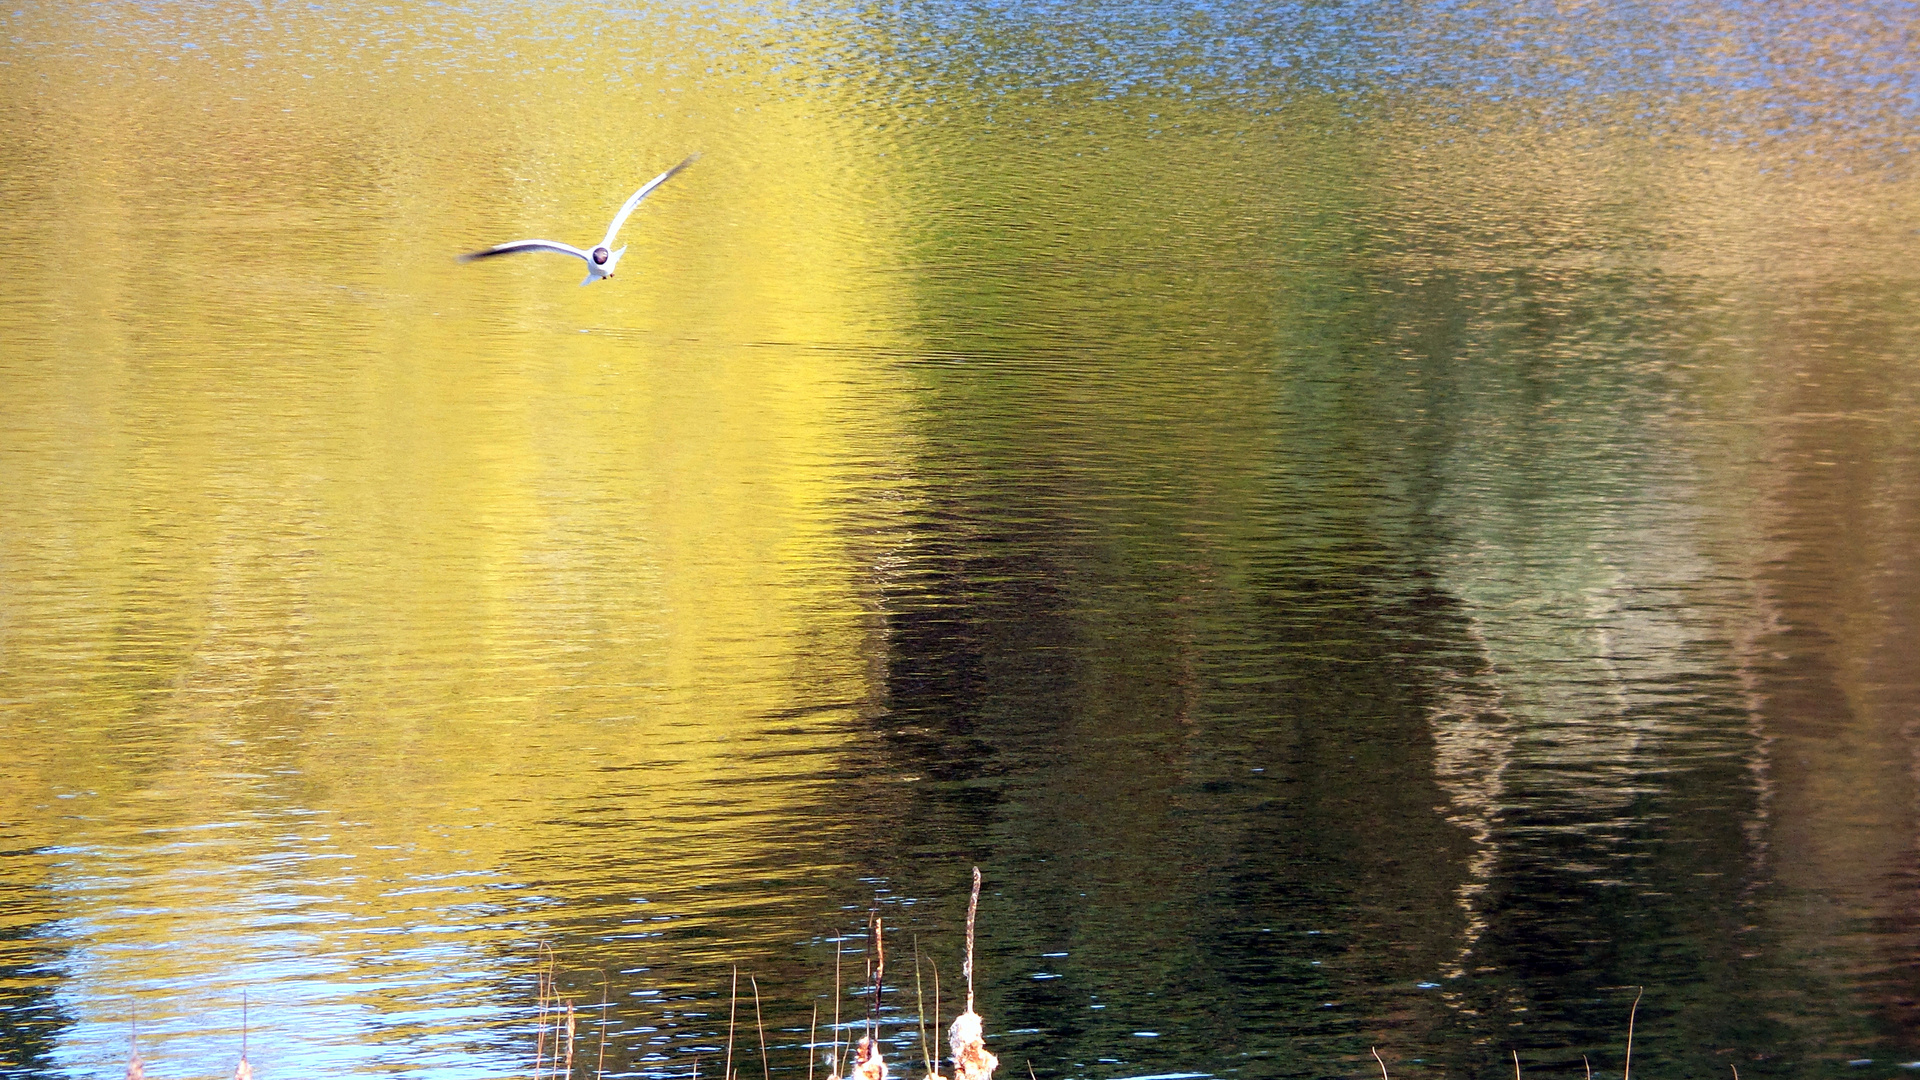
(602, 259)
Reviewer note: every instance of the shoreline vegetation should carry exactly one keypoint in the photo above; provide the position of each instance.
(556, 1026)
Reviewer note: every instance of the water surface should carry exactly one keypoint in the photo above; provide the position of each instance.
(1375, 526)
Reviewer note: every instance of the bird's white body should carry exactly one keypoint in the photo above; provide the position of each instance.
(602, 259)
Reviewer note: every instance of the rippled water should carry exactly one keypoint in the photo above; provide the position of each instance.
(1374, 525)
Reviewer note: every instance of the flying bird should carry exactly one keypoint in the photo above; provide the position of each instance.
(603, 258)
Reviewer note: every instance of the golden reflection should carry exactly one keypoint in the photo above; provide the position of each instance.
(323, 527)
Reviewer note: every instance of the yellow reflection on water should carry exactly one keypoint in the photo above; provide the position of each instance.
(398, 569)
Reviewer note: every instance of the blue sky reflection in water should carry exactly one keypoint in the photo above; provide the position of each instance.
(1375, 525)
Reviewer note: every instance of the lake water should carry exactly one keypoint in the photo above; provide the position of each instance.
(1376, 526)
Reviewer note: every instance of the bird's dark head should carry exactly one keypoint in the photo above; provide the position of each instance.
(600, 256)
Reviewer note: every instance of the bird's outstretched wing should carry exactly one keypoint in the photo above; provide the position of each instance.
(633, 200)
(518, 246)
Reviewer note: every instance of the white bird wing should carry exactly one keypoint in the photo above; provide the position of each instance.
(633, 200)
(517, 246)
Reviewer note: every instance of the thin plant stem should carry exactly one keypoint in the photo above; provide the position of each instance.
(243, 1071)
(1383, 1065)
(733, 1007)
(600, 1067)
(766, 1070)
(1588, 1064)
(839, 948)
(920, 1010)
(936, 999)
(136, 1069)
(539, 1019)
(1626, 1071)
(813, 1036)
(1516, 1065)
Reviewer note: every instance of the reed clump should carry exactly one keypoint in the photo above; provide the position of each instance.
(1626, 1069)
(556, 1024)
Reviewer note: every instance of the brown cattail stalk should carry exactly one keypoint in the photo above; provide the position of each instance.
(967, 1038)
(973, 905)
(570, 1030)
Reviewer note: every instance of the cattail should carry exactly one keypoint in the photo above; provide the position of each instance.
(867, 1062)
(971, 1058)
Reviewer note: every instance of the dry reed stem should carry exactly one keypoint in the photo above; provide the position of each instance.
(243, 1071)
(1383, 1065)
(766, 1070)
(936, 1001)
(1588, 1064)
(813, 1037)
(539, 1022)
(543, 987)
(1516, 1065)
(600, 1067)
(839, 948)
(733, 1007)
(1626, 1071)
(920, 1010)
